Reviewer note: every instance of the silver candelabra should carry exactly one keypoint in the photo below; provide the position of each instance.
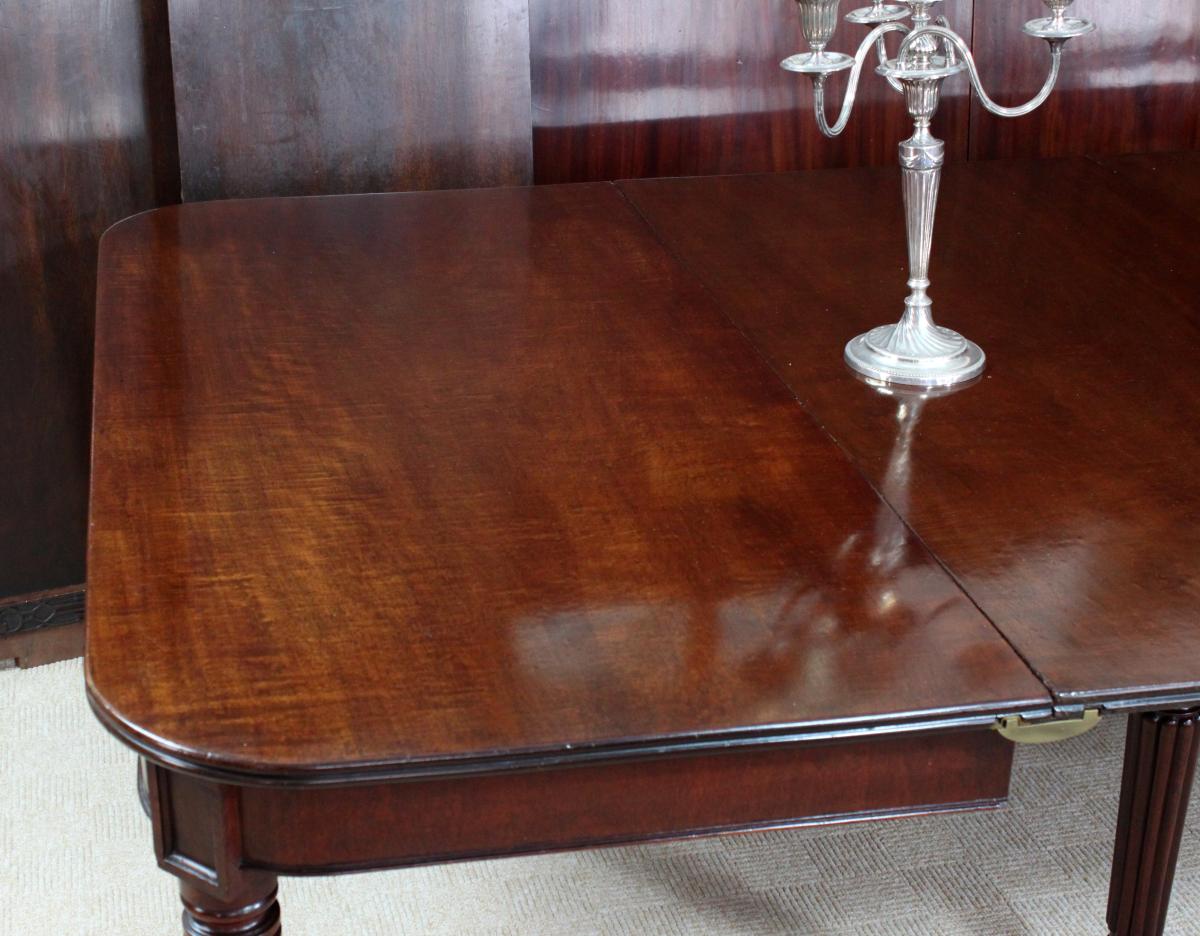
(915, 351)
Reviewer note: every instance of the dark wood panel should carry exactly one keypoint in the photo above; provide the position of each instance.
(1131, 86)
(389, 483)
(86, 137)
(27, 649)
(630, 88)
(292, 97)
(1061, 490)
(41, 628)
(572, 807)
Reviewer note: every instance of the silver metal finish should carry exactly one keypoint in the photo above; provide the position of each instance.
(875, 37)
(878, 12)
(1058, 25)
(818, 21)
(820, 64)
(915, 351)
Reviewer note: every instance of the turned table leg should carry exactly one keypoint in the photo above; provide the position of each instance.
(251, 913)
(198, 838)
(1160, 764)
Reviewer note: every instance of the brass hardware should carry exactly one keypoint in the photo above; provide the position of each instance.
(1019, 731)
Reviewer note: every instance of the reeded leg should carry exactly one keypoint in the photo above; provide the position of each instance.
(251, 913)
(1160, 765)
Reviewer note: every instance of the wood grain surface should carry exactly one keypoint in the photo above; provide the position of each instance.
(87, 137)
(630, 89)
(773, 786)
(389, 481)
(1060, 491)
(277, 97)
(1131, 86)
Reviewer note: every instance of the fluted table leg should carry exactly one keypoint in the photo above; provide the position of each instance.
(1160, 765)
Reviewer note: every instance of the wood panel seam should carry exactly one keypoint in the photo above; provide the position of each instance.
(703, 284)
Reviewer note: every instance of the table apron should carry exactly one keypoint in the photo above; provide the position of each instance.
(325, 829)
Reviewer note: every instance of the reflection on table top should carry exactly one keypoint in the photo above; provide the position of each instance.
(384, 481)
(1061, 491)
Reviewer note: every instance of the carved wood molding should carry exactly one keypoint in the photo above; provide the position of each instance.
(27, 613)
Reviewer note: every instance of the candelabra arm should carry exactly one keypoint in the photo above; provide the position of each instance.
(951, 55)
(874, 39)
(954, 39)
(883, 57)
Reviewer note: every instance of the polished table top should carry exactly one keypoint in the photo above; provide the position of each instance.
(388, 483)
(1063, 490)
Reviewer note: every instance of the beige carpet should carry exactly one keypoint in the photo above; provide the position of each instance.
(76, 859)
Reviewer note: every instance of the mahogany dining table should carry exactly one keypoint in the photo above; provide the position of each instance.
(452, 525)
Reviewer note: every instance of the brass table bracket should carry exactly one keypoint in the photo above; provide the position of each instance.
(1019, 731)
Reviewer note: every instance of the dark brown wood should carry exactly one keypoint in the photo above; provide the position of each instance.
(565, 501)
(419, 822)
(1160, 766)
(627, 88)
(1131, 86)
(253, 914)
(1061, 490)
(41, 611)
(384, 483)
(83, 143)
(280, 98)
(197, 837)
(226, 843)
(1163, 182)
(40, 647)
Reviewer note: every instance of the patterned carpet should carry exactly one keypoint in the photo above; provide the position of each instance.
(77, 859)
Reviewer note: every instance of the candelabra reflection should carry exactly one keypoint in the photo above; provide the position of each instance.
(772, 646)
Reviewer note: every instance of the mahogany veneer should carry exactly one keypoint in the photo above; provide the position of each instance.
(1061, 490)
(447, 525)
(361, 501)
(641, 88)
(1130, 86)
(87, 137)
(281, 98)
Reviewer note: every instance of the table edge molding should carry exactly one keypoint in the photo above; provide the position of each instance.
(247, 773)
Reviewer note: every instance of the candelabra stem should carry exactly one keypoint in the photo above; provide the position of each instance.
(921, 159)
(915, 351)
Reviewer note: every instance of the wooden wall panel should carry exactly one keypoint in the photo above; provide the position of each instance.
(1132, 86)
(288, 97)
(86, 137)
(635, 88)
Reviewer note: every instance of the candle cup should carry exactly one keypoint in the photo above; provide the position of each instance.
(1058, 26)
(818, 22)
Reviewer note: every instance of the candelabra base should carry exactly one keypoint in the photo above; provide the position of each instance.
(917, 357)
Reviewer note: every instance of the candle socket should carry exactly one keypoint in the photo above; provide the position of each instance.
(1058, 25)
(818, 22)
